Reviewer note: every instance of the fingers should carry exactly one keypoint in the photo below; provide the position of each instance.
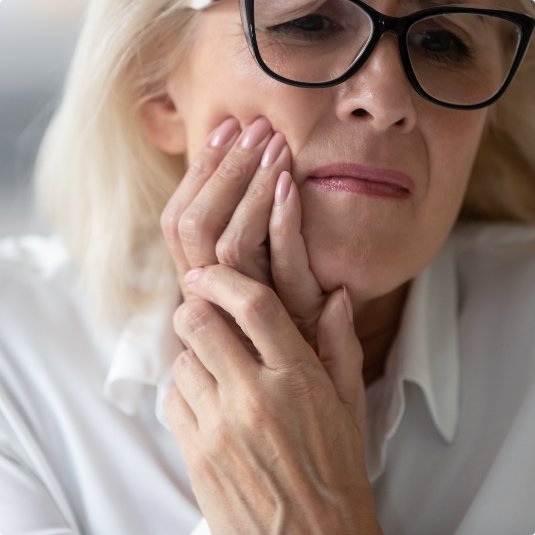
(221, 210)
(182, 420)
(205, 219)
(242, 245)
(201, 169)
(341, 355)
(220, 357)
(196, 384)
(294, 281)
(339, 350)
(258, 311)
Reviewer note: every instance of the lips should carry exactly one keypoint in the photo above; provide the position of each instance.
(354, 178)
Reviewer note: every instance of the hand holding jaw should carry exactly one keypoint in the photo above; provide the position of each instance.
(267, 428)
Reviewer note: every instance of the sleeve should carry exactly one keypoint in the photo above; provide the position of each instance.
(31, 499)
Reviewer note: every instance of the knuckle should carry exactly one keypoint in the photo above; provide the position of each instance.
(182, 360)
(232, 169)
(258, 190)
(230, 250)
(169, 224)
(171, 399)
(190, 227)
(176, 318)
(200, 166)
(194, 316)
(261, 306)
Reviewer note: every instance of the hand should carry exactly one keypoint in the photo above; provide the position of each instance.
(223, 212)
(276, 445)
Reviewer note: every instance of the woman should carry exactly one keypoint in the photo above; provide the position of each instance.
(348, 361)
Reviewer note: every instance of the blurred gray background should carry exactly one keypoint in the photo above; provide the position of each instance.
(37, 40)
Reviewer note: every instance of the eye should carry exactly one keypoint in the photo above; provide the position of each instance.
(440, 44)
(440, 41)
(311, 27)
(312, 23)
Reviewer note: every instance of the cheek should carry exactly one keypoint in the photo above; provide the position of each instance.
(452, 144)
(225, 80)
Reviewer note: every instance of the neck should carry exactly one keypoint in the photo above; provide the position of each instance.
(376, 325)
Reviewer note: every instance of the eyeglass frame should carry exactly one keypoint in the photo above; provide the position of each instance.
(400, 26)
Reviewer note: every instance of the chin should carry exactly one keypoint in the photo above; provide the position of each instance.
(360, 247)
(367, 271)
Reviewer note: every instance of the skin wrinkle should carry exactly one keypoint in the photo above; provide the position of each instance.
(373, 246)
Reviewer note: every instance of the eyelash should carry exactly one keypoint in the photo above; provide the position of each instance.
(290, 28)
(465, 52)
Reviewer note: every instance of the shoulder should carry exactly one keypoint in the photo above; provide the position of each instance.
(32, 256)
(506, 240)
(50, 347)
(30, 266)
(41, 297)
(36, 276)
(499, 249)
(496, 273)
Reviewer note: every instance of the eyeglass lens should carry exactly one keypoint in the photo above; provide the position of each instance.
(459, 58)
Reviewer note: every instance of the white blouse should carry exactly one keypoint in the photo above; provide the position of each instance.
(451, 425)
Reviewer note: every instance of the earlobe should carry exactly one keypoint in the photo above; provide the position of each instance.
(164, 125)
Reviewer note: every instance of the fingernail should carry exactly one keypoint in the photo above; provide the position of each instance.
(193, 275)
(283, 187)
(349, 306)
(256, 133)
(273, 150)
(224, 132)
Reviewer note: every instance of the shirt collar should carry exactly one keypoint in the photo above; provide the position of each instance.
(424, 352)
(143, 357)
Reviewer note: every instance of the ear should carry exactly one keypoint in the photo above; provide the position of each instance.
(164, 125)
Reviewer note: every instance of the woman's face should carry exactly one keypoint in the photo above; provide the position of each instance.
(373, 244)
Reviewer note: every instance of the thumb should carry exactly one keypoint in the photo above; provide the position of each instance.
(341, 354)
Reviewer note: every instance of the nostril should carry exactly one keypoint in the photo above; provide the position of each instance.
(361, 112)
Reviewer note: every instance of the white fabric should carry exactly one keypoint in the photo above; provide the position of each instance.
(199, 4)
(70, 461)
(451, 439)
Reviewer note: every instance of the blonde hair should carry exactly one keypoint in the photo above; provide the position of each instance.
(103, 185)
(100, 182)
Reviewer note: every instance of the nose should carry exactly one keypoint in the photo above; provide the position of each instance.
(379, 93)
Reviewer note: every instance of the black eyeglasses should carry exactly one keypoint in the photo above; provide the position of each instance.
(457, 57)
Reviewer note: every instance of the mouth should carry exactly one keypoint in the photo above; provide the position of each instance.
(364, 180)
